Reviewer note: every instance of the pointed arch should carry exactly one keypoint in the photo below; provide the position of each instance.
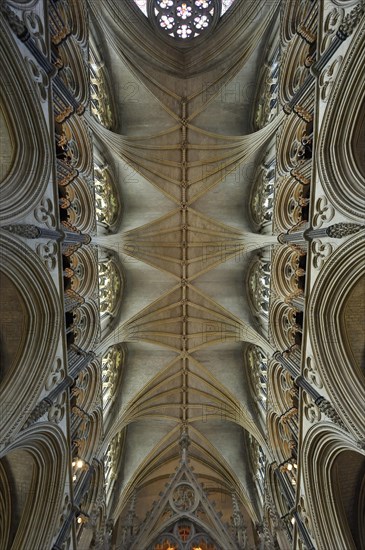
(322, 448)
(328, 316)
(37, 462)
(28, 176)
(19, 394)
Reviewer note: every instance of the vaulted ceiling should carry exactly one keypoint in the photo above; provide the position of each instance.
(184, 153)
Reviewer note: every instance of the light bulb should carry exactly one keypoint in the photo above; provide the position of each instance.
(290, 467)
(79, 463)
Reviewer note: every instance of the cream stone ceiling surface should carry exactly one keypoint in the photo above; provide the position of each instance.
(184, 154)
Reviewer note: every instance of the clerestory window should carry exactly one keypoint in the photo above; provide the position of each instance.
(184, 19)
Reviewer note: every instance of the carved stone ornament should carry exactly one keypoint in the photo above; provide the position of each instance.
(56, 374)
(48, 254)
(326, 407)
(311, 374)
(15, 23)
(320, 252)
(35, 27)
(328, 77)
(340, 230)
(58, 409)
(324, 212)
(23, 230)
(352, 19)
(184, 498)
(37, 413)
(44, 213)
(311, 411)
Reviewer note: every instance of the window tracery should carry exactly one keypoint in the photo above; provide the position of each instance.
(268, 99)
(142, 4)
(111, 461)
(110, 287)
(106, 199)
(262, 201)
(183, 534)
(184, 20)
(259, 286)
(99, 94)
(111, 365)
(257, 361)
(258, 459)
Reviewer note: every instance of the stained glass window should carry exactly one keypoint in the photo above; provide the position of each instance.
(184, 19)
(226, 4)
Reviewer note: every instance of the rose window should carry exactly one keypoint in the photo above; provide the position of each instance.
(184, 19)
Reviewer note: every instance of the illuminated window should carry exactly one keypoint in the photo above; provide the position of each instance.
(258, 463)
(106, 199)
(165, 543)
(259, 283)
(111, 365)
(110, 287)
(267, 106)
(257, 362)
(262, 201)
(99, 93)
(225, 5)
(184, 20)
(111, 462)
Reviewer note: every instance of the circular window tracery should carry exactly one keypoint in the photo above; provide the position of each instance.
(185, 19)
(184, 498)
